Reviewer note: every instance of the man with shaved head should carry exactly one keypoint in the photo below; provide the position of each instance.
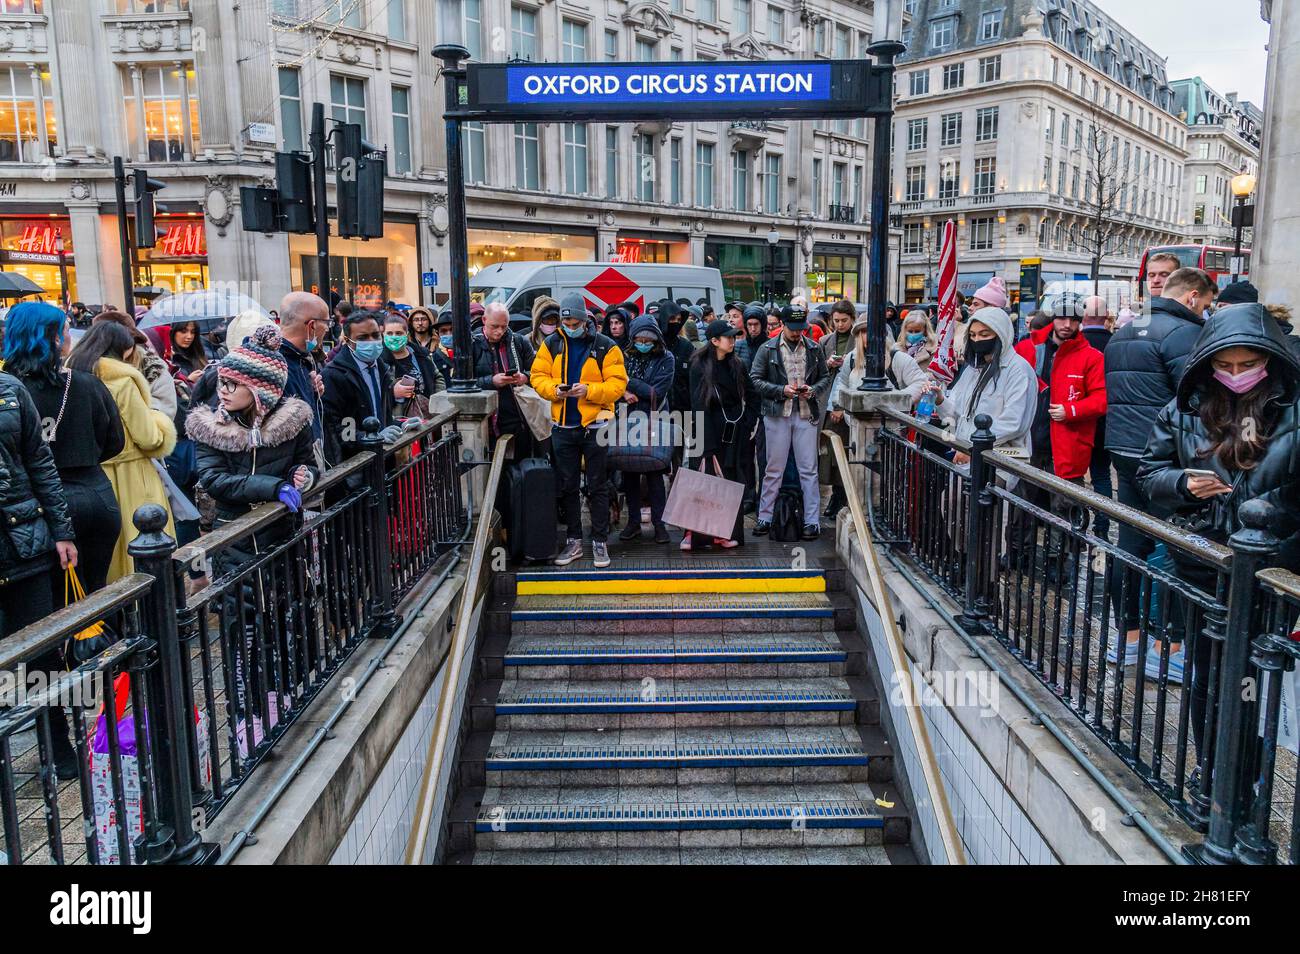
(304, 318)
(502, 360)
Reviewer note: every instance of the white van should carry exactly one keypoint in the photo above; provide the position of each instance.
(519, 284)
(1118, 294)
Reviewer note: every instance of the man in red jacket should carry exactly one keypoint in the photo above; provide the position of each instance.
(1072, 398)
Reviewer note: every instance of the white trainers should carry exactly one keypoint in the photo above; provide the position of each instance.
(599, 553)
(572, 551)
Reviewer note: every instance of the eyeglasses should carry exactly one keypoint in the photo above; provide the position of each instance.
(226, 386)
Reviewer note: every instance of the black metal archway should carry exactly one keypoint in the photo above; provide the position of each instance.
(674, 91)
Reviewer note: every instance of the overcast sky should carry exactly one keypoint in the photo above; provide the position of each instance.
(1222, 41)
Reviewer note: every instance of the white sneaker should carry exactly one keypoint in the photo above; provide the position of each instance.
(572, 551)
(599, 554)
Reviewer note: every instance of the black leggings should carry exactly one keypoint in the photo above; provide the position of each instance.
(97, 522)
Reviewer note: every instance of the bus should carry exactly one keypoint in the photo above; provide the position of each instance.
(1216, 260)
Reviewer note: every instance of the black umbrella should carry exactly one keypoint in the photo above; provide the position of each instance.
(14, 285)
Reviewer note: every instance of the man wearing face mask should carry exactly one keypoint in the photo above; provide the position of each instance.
(443, 340)
(358, 385)
(581, 373)
(303, 320)
(671, 317)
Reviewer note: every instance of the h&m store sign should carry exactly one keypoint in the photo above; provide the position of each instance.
(794, 88)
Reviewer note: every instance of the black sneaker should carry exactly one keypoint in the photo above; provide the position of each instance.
(661, 533)
(761, 528)
(630, 532)
(66, 766)
(811, 531)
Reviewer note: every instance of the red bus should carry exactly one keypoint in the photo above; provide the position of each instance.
(1214, 259)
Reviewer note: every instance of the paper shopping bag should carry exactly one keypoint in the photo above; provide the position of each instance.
(704, 503)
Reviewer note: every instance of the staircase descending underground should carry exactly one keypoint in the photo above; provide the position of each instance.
(685, 709)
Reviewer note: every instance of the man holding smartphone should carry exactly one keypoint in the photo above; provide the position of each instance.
(791, 376)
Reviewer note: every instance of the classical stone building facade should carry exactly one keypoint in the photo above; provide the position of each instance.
(999, 110)
(202, 94)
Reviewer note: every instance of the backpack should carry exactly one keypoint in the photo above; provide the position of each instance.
(787, 516)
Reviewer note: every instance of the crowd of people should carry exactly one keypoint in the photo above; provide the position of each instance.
(1183, 414)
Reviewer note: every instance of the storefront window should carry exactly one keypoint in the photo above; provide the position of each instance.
(30, 247)
(29, 131)
(162, 111)
(489, 246)
(364, 273)
(914, 289)
(152, 6)
(752, 271)
(634, 249)
(179, 259)
(834, 276)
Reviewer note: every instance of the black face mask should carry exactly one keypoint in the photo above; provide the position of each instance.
(983, 348)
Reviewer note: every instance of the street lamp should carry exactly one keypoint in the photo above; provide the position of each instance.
(1242, 215)
(929, 268)
(63, 269)
(773, 237)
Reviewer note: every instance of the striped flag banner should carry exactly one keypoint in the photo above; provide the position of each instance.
(944, 363)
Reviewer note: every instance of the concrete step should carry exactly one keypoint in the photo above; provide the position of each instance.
(753, 655)
(675, 613)
(507, 582)
(751, 855)
(678, 824)
(656, 579)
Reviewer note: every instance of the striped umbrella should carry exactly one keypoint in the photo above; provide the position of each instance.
(944, 363)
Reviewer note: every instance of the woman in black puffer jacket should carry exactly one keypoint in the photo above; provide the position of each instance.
(256, 447)
(1234, 414)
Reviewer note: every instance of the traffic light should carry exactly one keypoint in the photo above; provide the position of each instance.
(293, 182)
(146, 233)
(360, 169)
(259, 208)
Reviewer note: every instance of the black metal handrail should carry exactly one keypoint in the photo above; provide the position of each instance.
(220, 676)
(1017, 547)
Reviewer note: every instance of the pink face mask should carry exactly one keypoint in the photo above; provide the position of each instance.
(1241, 383)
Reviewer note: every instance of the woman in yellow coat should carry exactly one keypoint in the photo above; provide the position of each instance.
(106, 351)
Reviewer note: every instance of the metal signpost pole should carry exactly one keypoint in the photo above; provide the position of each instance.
(462, 375)
(128, 280)
(318, 144)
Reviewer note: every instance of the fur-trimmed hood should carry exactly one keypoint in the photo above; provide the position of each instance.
(214, 428)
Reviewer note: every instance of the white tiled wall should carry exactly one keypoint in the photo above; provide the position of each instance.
(993, 828)
(380, 829)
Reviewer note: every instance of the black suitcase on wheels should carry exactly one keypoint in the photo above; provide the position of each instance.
(532, 522)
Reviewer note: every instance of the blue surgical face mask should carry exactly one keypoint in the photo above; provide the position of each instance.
(577, 332)
(915, 337)
(368, 351)
(311, 344)
(645, 347)
(446, 340)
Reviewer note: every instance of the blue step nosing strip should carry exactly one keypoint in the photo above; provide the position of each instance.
(588, 658)
(548, 765)
(686, 705)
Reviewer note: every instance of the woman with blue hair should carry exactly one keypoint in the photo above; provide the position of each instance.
(80, 422)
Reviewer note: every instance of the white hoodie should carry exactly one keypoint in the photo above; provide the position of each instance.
(1010, 400)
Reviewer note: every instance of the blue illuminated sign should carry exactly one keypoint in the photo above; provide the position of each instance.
(503, 92)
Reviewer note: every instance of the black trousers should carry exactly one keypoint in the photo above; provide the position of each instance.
(1124, 605)
(1099, 475)
(26, 601)
(97, 521)
(656, 496)
(572, 447)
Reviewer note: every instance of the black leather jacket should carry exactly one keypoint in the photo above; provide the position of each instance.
(33, 510)
(1178, 436)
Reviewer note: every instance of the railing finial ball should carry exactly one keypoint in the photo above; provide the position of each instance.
(150, 518)
(371, 425)
(983, 422)
(1257, 514)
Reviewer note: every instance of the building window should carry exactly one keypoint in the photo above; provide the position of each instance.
(817, 187)
(775, 24)
(675, 170)
(678, 6)
(1202, 150)
(527, 158)
(949, 179)
(474, 28)
(1074, 183)
(915, 183)
(917, 133)
(611, 162)
(704, 174)
(401, 130)
(575, 41)
(838, 180)
(523, 34)
(740, 180)
(1047, 174)
(772, 184)
(986, 124)
(611, 45)
(31, 6)
(912, 239)
(990, 25)
(943, 33)
(986, 169)
(990, 68)
(28, 126)
(290, 110)
(675, 54)
(744, 17)
(575, 158)
(843, 42)
(708, 11)
(1078, 134)
(919, 82)
(1051, 123)
(819, 36)
(1198, 216)
(348, 100)
(645, 167)
(646, 51)
(1200, 184)
(397, 20)
(954, 76)
(950, 129)
(163, 122)
(981, 234)
(473, 146)
(346, 12)
(1060, 178)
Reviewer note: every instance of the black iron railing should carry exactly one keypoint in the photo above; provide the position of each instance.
(214, 680)
(1020, 550)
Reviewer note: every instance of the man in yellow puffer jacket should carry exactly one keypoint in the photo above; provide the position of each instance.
(581, 373)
